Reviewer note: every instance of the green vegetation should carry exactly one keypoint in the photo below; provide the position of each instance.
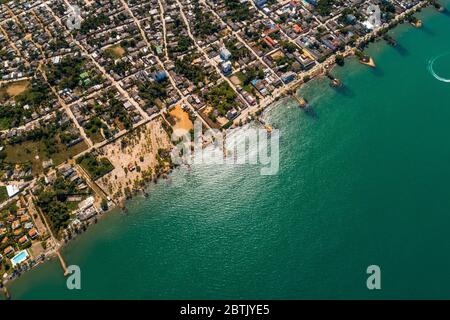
(36, 96)
(340, 61)
(121, 67)
(71, 73)
(324, 7)
(54, 205)
(152, 90)
(222, 98)
(3, 194)
(250, 74)
(236, 53)
(53, 140)
(191, 71)
(104, 205)
(66, 74)
(289, 46)
(93, 129)
(114, 109)
(237, 11)
(204, 24)
(93, 22)
(95, 167)
(284, 63)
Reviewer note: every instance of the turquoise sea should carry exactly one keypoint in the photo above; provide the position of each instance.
(364, 179)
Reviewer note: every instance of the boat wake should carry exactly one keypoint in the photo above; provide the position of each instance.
(431, 68)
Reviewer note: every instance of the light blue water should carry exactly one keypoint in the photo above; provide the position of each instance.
(20, 257)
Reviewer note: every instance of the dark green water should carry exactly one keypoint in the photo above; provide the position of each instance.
(365, 180)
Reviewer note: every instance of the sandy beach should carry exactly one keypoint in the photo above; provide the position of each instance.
(183, 123)
(134, 158)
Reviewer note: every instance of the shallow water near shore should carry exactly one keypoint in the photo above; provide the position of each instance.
(364, 179)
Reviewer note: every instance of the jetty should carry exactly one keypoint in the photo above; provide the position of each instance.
(335, 82)
(391, 41)
(63, 263)
(368, 61)
(266, 126)
(6, 293)
(302, 102)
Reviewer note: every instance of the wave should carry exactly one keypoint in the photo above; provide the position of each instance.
(431, 68)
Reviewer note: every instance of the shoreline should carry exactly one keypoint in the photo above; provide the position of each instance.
(265, 105)
(321, 69)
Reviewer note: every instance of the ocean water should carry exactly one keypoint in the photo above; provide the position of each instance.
(364, 179)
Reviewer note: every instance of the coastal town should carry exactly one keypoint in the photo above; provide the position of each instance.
(91, 92)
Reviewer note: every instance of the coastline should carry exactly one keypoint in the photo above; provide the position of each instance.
(321, 69)
(281, 96)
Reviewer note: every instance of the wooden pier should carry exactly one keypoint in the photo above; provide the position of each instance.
(63, 263)
(301, 101)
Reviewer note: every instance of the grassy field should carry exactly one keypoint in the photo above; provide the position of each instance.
(13, 89)
(34, 152)
(95, 137)
(95, 167)
(116, 51)
(3, 194)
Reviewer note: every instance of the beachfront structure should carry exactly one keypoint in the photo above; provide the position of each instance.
(19, 258)
(288, 77)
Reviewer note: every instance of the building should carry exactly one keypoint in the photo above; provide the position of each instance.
(288, 77)
(225, 54)
(33, 233)
(160, 76)
(260, 3)
(226, 67)
(232, 114)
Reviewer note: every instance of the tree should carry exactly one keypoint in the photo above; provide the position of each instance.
(104, 205)
(340, 60)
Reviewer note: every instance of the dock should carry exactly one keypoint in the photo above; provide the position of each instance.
(266, 126)
(368, 61)
(301, 102)
(63, 263)
(6, 293)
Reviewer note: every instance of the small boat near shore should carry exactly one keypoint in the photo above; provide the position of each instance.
(336, 83)
(417, 23)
